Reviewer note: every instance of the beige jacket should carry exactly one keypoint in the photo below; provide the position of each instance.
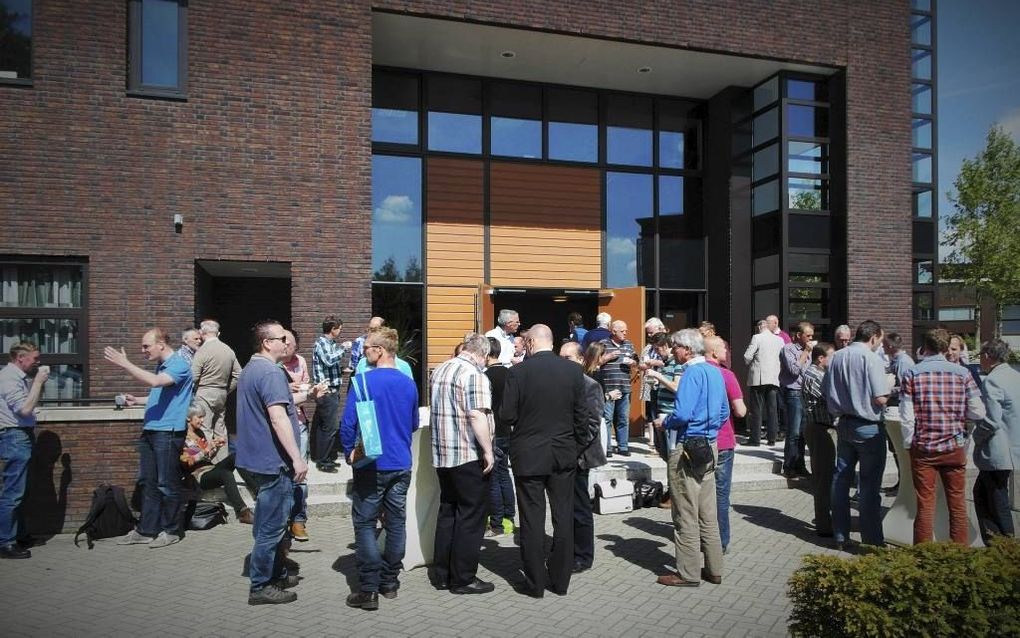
(215, 367)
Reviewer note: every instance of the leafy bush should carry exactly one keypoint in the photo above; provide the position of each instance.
(932, 589)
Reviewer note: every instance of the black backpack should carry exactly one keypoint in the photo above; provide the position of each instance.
(109, 515)
(647, 494)
(202, 515)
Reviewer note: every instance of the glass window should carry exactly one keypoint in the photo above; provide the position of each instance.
(807, 121)
(394, 108)
(922, 168)
(808, 278)
(454, 119)
(765, 127)
(808, 194)
(515, 127)
(923, 240)
(920, 29)
(15, 40)
(956, 314)
(808, 157)
(630, 228)
(766, 302)
(806, 90)
(765, 162)
(924, 272)
(922, 98)
(573, 125)
(678, 134)
(922, 204)
(766, 270)
(809, 231)
(1011, 312)
(158, 40)
(678, 310)
(403, 308)
(44, 303)
(922, 133)
(923, 306)
(808, 304)
(804, 263)
(681, 261)
(673, 198)
(921, 69)
(765, 198)
(921, 5)
(766, 93)
(765, 236)
(396, 218)
(628, 130)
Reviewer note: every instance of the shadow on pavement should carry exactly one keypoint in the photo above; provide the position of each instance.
(503, 561)
(348, 566)
(775, 520)
(643, 552)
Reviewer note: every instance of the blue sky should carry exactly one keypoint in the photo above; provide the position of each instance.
(978, 72)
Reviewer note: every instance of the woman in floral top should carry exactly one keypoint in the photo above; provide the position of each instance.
(197, 459)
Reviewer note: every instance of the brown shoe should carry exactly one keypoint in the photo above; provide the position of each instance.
(297, 530)
(245, 516)
(674, 580)
(709, 578)
(666, 504)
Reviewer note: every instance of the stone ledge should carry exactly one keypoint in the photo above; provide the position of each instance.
(89, 414)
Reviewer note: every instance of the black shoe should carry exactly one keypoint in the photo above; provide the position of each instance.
(802, 471)
(580, 567)
(13, 550)
(286, 582)
(388, 593)
(624, 452)
(476, 586)
(367, 600)
(823, 534)
(523, 588)
(327, 466)
(609, 454)
(771, 442)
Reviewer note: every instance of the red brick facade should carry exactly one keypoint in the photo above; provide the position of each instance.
(269, 157)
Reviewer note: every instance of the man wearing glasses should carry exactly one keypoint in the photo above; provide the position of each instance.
(267, 447)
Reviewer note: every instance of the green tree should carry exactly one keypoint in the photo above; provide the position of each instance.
(984, 229)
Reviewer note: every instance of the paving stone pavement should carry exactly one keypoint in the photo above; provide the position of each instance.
(195, 588)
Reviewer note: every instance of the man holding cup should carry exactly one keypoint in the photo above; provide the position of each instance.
(616, 366)
(19, 395)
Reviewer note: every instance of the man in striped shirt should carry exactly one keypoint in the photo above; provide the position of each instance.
(462, 428)
(937, 398)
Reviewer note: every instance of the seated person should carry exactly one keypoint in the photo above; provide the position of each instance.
(197, 460)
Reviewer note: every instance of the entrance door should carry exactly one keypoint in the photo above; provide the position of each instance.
(628, 305)
(545, 306)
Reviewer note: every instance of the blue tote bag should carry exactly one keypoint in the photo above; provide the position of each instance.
(369, 446)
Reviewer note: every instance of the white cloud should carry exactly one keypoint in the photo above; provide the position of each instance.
(621, 246)
(395, 209)
(1010, 122)
(632, 266)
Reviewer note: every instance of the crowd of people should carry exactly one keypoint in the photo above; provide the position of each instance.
(517, 422)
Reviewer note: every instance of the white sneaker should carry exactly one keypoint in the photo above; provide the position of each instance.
(133, 538)
(163, 540)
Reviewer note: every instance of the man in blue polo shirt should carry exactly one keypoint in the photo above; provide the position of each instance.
(700, 410)
(380, 486)
(159, 449)
(267, 434)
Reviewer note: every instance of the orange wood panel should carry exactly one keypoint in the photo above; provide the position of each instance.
(628, 305)
(454, 231)
(545, 225)
(450, 313)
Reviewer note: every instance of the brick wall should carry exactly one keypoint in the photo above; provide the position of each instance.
(269, 158)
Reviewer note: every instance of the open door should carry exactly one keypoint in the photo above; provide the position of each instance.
(485, 311)
(628, 305)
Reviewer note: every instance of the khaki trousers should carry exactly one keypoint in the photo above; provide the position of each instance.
(695, 518)
(215, 424)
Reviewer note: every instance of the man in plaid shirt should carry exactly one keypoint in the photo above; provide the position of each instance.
(937, 398)
(326, 367)
(462, 426)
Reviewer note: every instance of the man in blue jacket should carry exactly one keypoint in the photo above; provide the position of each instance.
(700, 410)
(383, 483)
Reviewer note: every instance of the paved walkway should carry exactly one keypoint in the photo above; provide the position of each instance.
(195, 588)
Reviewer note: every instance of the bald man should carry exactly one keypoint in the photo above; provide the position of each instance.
(544, 405)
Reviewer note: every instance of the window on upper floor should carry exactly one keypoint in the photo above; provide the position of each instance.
(158, 48)
(44, 302)
(16, 41)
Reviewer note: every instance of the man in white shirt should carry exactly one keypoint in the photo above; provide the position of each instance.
(507, 324)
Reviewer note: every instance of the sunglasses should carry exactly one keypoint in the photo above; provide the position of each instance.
(282, 339)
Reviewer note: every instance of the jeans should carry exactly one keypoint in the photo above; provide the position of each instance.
(15, 452)
(299, 512)
(763, 407)
(723, 477)
(793, 451)
(501, 489)
(991, 504)
(376, 490)
(859, 442)
(272, 505)
(618, 413)
(159, 472)
(952, 468)
(325, 425)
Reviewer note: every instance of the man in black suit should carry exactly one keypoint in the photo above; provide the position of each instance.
(543, 403)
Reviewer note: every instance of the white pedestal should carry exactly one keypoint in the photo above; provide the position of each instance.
(422, 502)
(898, 523)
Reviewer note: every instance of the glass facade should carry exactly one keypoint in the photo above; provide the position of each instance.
(923, 161)
(396, 218)
(15, 40)
(158, 60)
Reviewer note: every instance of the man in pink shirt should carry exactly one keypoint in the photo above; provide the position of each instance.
(716, 353)
(773, 324)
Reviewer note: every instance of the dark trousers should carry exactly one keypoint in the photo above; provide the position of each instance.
(991, 504)
(584, 522)
(460, 526)
(501, 491)
(325, 424)
(764, 406)
(531, 494)
(222, 474)
(159, 472)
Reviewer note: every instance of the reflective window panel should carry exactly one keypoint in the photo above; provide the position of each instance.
(396, 218)
(630, 228)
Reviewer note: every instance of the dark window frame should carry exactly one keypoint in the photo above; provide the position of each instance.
(81, 314)
(26, 82)
(135, 86)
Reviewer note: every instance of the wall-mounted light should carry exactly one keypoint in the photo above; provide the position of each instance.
(644, 69)
(509, 55)
(178, 223)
